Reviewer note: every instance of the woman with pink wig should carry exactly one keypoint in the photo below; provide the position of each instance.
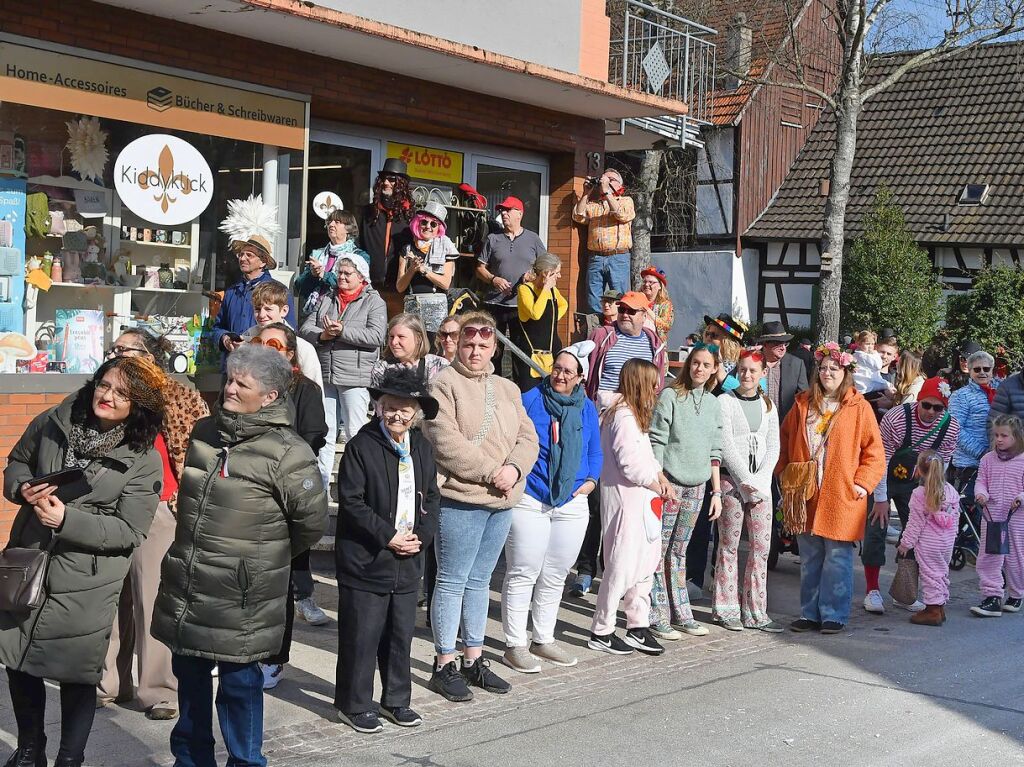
(427, 266)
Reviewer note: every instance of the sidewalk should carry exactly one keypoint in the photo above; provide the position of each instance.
(301, 728)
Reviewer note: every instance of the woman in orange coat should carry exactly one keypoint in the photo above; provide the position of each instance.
(833, 425)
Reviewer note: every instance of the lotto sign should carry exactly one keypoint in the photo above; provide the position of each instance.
(427, 163)
(163, 179)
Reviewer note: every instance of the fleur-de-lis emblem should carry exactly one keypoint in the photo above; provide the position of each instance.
(165, 181)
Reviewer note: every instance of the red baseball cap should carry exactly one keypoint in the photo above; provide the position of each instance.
(510, 203)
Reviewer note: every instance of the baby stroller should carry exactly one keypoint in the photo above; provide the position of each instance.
(968, 540)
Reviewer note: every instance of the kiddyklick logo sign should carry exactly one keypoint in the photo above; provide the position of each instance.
(163, 179)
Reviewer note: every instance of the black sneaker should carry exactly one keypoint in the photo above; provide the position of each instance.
(990, 607)
(480, 675)
(642, 639)
(365, 721)
(1011, 605)
(609, 643)
(448, 682)
(832, 627)
(403, 716)
(800, 625)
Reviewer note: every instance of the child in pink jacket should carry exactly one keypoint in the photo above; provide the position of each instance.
(999, 492)
(931, 533)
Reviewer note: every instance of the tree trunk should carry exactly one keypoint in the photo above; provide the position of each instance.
(643, 199)
(840, 170)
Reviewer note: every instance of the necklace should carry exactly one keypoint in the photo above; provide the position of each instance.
(697, 403)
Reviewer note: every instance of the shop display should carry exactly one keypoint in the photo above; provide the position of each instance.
(78, 340)
(87, 144)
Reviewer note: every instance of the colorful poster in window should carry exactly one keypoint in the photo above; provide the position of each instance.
(12, 254)
(78, 339)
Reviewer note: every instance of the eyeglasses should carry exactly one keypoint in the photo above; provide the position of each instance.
(558, 370)
(471, 332)
(347, 273)
(981, 370)
(248, 254)
(122, 351)
(119, 396)
(935, 407)
(448, 334)
(627, 310)
(429, 223)
(271, 343)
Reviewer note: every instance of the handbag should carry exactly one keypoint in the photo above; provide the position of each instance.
(900, 474)
(799, 482)
(997, 534)
(905, 582)
(543, 358)
(23, 577)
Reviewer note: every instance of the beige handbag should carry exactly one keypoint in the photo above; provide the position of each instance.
(799, 483)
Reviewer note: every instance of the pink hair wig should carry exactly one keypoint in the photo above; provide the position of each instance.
(419, 218)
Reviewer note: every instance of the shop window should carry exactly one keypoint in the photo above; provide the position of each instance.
(340, 170)
(496, 183)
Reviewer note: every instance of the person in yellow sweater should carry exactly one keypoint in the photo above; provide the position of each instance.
(540, 307)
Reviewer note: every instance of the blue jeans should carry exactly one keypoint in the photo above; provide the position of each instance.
(826, 579)
(239, 709)
(468, 543)
(606, 273)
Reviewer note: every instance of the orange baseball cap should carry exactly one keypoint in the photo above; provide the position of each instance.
(635, 300)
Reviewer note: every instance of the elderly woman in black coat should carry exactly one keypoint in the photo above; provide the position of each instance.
(90, 526)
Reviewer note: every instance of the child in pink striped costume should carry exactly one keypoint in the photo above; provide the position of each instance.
(931, 532)
(999, 492)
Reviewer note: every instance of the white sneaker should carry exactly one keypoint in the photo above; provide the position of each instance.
(873, 602)
(892, 534)
(310, 612)
(272, 673)
(915, 607)
(666, 632)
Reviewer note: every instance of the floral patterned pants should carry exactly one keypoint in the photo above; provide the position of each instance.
(669, 601)
(727, 605)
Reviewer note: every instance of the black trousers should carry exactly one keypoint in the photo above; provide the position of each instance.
(374, 629)
(586, 562)
(77, 711)
(700, 540)
(504, 318)
(872, 548)
(284, 655)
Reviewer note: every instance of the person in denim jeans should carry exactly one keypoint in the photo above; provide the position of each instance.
(485, 446)
(608, 214)
(832, 425)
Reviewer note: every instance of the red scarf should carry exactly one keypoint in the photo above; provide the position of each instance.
(990, 392)
(344, 299)
(404, 206)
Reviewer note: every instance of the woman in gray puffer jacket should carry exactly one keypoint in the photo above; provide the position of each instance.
(251, 498)
(347, 329)
(107, 430)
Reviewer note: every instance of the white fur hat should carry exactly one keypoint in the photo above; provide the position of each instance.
(581, 351)
(360, 263)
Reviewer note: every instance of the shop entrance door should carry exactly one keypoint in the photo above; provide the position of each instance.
(497, 178)
(343, 165)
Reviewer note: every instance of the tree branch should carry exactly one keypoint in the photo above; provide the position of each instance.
(806, 87)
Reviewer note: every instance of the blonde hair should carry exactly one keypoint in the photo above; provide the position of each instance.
(868, 336)
(638, 384)
(1013, 423)
(907, 371)
(413, 323)
(931, 473)
(477, 317)
(730, 349)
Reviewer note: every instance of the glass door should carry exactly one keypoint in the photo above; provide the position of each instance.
(497, 178)
(342, 165)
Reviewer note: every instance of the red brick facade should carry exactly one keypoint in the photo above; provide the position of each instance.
(339, 91)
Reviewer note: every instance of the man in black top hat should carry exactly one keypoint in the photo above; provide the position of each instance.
(385, 223)
(786, 374)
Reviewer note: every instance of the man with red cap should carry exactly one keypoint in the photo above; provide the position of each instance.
(906, 431)
(504, 260)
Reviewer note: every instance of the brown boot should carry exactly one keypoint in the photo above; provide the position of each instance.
(931, 615)
(942, 610)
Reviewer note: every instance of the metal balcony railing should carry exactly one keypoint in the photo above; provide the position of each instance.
(658, 52)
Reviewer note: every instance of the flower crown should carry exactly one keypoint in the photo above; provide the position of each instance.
(834, 351)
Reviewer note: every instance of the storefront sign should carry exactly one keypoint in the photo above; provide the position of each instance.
(88, 86)
(428, 163)
(163, 179)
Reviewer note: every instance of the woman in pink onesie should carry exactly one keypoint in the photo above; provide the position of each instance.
(631, 479)
(999, 492)
(931, 532)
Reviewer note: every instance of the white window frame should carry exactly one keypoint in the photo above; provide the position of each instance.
(475, 160)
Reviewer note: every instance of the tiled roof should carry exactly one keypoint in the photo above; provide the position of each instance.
(954, 122)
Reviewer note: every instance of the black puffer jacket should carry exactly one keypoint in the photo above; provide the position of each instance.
(367, 504)
(251, 498)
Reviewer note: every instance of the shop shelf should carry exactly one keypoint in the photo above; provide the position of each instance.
(171, 246)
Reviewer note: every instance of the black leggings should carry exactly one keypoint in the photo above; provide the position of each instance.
(77, 710)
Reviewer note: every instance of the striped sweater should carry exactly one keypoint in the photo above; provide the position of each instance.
(894, 429)
(1002, 482)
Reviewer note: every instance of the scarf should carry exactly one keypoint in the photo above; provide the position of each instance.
(401, 448)
(1006, 455)
(565, 453)
(86, 444)
(389, 206)
(344, 299)
(990, 391)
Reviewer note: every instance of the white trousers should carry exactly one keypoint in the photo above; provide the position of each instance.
(542, 545)
(345, 408)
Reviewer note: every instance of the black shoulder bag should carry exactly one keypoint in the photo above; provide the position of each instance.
(900, 478)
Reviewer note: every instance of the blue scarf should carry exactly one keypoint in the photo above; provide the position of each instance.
(401, 448)
(565, 452)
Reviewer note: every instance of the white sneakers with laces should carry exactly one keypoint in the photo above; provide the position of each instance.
(873, 602)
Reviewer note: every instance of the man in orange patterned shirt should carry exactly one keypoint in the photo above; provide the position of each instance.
(608, 214)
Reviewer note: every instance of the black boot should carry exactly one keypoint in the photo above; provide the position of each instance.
(32, 753)
(67, 761)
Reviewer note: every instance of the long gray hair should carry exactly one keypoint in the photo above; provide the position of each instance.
(267, 367)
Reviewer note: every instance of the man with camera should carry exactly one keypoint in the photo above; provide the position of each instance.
(608, 214)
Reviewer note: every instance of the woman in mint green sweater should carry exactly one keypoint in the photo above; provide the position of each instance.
(686, 434)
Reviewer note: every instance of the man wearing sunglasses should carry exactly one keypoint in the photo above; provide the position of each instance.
(906, 431)
(385, 222)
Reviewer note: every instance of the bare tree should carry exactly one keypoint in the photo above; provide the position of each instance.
(862, 27)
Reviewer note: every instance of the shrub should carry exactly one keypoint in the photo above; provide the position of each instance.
(991, 313)
(888, 281)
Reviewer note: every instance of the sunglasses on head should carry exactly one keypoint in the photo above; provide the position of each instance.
(623, 309)
(752, 354)
(471, 332)
(935, 407)
(981, 370)
(271, 343)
